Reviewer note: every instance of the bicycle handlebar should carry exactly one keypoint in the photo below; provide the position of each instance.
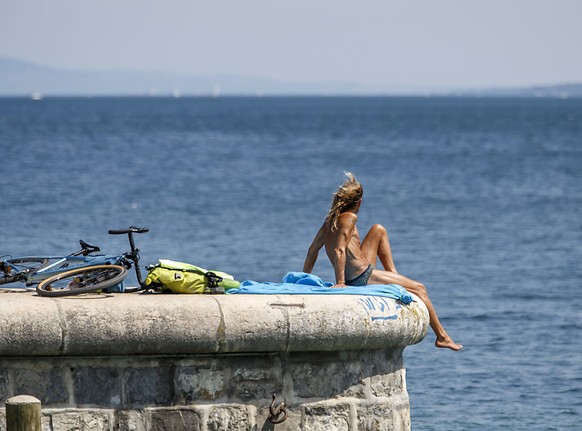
(132, 229)
(134, 254)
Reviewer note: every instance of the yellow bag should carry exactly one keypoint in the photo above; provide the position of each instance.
(180, 277)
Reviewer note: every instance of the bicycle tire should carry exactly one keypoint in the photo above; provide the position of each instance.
(32, 263)
(82, 280)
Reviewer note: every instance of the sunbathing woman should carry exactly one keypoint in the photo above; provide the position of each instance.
(354, 260)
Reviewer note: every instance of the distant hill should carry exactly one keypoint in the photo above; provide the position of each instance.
(18, 78)
(21, 78)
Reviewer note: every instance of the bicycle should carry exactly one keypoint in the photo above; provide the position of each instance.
(77, 273)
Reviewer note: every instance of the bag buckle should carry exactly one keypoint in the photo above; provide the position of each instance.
(213, 281)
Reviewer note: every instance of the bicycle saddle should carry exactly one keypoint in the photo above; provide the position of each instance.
(88, 248)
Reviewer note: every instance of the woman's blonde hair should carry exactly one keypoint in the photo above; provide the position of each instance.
(345, 198)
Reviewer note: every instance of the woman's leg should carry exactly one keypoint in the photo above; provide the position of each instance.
(387, 277)
(376, 244)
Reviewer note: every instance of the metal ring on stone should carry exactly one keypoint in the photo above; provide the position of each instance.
(277, 414)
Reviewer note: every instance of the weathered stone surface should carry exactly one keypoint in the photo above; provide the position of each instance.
(195, 383)
(386, 385)
(174, 420)
(149, 385)
(2, 421)
(46, 384)
(336, 323)
(3, 385)
(255, 379)
(99, 386)
(129, 420)
(46, 423)
(29, 326)
(324, 375)
(376, 418)
(122, 324)
(326, 417)
(232, 418)
(371, 376)
(383, 369)
(292, 423)
(81, 421)
(401, 410)
(254, 326)
(139, 324)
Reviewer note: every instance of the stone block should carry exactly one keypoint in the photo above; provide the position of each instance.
(4, 395)
(174, 420)
(401, 411)
(383, 371)
(148, 386)
(81, 421)
(376, 418)
(255, 379)
(387, 385)
(45, 423)
(100, 386)
(133, 324)
(320, 376)
(231, 418)
(29, 326)
(253, 324)
(381, 361)
(354, 323)
(129, 420)
(48, 385)
(326, 417)
(200, 384)
(292, 423)
(2, 420)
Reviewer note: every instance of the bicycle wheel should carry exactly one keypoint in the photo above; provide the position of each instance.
(11, 267)
(82, 280)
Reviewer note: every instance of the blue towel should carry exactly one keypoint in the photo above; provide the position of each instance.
(301, 283)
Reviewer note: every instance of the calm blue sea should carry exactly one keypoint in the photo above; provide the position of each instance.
(482, 199)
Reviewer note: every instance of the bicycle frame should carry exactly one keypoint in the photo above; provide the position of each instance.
(64, 263)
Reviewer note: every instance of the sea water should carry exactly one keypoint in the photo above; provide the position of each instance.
(482, 200)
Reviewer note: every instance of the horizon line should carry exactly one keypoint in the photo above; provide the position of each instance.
(373, 89)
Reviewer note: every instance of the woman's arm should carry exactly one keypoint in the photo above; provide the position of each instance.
(313, 251)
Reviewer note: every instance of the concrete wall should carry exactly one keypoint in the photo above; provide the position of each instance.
(188, 362)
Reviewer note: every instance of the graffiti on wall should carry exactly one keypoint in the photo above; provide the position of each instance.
(380, 308)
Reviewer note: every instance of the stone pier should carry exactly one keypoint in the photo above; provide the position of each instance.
(209, 362)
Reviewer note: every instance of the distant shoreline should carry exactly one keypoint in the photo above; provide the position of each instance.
(24, 79)
(41, 97)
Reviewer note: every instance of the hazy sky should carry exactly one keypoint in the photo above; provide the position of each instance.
(422, 43)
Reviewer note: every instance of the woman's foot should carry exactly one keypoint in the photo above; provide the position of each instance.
(448, 343)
